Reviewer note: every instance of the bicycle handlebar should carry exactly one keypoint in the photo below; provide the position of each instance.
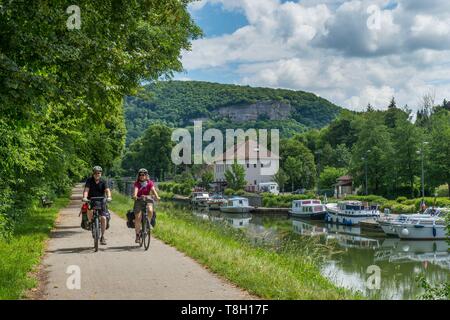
(94, 199)
(146, 198)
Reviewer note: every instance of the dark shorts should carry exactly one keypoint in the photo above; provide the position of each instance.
(104, 212)
(139, 206)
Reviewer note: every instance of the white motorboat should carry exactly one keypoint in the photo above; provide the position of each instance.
(350, 212)
(200, 199)
(216, 201)
(388, 222)
(425, 227)
(236, 205)
(308, 209)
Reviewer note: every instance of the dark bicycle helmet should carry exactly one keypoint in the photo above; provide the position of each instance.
(97, 169)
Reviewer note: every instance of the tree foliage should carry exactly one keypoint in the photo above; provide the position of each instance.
(151, 151)
(61, 92)
(235, 177)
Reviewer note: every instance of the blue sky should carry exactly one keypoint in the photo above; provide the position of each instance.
(215, 21)
(350, 52)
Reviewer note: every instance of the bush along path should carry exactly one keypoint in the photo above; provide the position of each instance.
(122, 270)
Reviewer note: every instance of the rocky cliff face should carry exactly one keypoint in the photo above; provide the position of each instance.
(271, 110)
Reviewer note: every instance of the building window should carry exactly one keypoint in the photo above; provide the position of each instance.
(255, 183)
(248, 165)
(262, 166)
(254, 166)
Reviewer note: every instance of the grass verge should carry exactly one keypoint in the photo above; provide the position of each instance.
(21, 254)
(269, 274)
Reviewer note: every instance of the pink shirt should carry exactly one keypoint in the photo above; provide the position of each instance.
(144, 190)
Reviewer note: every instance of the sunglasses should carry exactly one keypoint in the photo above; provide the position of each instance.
(142, 174)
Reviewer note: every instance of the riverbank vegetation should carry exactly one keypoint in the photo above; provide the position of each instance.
(21, 254)
(265, 269)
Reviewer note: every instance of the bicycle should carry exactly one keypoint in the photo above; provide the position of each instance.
(97, 205)
(145, 234)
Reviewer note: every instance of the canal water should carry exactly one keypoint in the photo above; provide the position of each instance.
(377, 266)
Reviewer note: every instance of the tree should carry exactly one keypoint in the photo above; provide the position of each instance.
(393, 114)
(152, 151)
(406, 142)
(235, 177)
(342, 130)
(206, 180)
(329, 176)
(281, 178)
(62, 90)
(374, 148)
(293, 168)
(341, 156)
(292, 148)
(440, 149)
(392, 104)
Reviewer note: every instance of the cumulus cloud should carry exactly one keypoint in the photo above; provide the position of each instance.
(352, 52)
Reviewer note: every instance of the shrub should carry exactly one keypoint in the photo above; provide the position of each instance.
(401, 199)
(442, 191)
(228, 192)
(369, 198)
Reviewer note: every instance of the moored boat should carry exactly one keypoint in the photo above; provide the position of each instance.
(350, 212)
(424, 227)
(388, 222)
(200, 199)
(236, 205)
(216, 201)
(308, 209)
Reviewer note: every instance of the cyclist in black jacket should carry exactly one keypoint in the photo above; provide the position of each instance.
(97, 187)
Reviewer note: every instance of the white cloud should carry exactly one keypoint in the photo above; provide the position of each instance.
(326, 47)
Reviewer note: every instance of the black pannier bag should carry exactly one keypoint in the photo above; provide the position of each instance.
(153, 221)
(130, 219)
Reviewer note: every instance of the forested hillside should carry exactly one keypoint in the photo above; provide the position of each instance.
(177, 103)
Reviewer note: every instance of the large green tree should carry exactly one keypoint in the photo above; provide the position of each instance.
(152, 151)
(329, 176)
(439, 156)
(373, 150)
(61, 90)
(406, 138)
(235, 177)
(281, 177)
(301, 168)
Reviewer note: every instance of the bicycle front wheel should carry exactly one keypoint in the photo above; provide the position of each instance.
(96, 231)
(142, 236)
(146, 235)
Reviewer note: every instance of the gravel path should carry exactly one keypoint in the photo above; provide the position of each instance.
(122, 270)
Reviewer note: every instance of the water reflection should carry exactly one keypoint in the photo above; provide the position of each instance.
(400, 261)
(237, 220)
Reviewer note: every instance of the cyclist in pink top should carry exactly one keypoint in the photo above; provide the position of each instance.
(142, 187)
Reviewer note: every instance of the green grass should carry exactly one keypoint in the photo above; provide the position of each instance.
(270, 274)
(22, 253)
